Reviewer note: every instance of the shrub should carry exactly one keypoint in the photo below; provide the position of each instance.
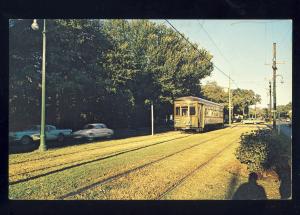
(263, 149)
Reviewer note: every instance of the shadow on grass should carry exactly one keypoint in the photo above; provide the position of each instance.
(280, 161)
(250, 190)
(284, 175)
(264, 152)
(16, 148)
(232, 184)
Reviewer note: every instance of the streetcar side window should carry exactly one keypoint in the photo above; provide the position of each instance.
(192, 110)
(184, 111)
(177, 111)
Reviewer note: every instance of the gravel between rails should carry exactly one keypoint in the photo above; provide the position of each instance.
(125, 173)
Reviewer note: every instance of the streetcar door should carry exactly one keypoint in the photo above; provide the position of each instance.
(199, 115)
(193, 115)
(201, 110)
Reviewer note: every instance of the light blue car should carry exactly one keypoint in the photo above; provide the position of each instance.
(33, 133)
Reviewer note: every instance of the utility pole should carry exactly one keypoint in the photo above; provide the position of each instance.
(152, 120)
(274, 85)
(270, 104)
(229, 103)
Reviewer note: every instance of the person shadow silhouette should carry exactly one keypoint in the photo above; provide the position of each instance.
(250, 190)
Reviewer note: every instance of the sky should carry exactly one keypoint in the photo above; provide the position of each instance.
(242, 48)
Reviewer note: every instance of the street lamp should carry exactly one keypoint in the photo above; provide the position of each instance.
(281, 78)
(35, 26)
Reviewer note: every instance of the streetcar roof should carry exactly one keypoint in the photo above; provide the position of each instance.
(193, 98)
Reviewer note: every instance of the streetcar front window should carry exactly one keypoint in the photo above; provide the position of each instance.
(184, 111)
(177, 111)
(192, 110)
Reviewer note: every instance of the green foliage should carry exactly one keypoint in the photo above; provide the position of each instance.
(106, 71)
(241, 98)
(154, 64)
(215, 93)
(262, 150)
(285, 110)
(73, 86)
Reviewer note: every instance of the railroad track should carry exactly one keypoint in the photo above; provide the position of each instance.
(90, 161)
(191, 173)
(90, 149)
(127, 172)
(180, 181)
(86, 162)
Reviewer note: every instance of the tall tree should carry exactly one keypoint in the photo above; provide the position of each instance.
(154, 64)
(212, 91)
(73, 83)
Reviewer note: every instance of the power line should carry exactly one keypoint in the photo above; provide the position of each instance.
(283, 40)
(211, 39)
(285, 36)
(199, 51)
(265, 43)
(253, 21)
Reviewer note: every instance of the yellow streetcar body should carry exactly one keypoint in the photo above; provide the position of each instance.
(193, 113)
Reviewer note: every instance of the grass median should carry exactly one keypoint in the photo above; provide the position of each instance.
(54, 185)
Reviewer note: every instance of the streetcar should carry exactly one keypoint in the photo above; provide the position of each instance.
(197, 114)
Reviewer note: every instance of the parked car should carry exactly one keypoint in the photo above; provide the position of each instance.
(33, 133)
(92, 131)
(252, 121)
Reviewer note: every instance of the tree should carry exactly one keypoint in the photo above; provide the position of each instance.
(72, 73)
(154, 64)
(243, 98)
(106, 71)
(213, 92)
(285, 110)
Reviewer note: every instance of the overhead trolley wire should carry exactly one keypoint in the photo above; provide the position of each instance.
(200, 52)
(211, 39)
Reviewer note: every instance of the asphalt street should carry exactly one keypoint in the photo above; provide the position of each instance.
(283, 127)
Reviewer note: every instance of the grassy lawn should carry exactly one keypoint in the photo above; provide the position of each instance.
(76, 172)
(149, 182)
(23, 167)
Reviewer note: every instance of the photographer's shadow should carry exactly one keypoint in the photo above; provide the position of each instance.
(250, 190)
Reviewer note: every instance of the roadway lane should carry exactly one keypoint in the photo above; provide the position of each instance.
(283, 127)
